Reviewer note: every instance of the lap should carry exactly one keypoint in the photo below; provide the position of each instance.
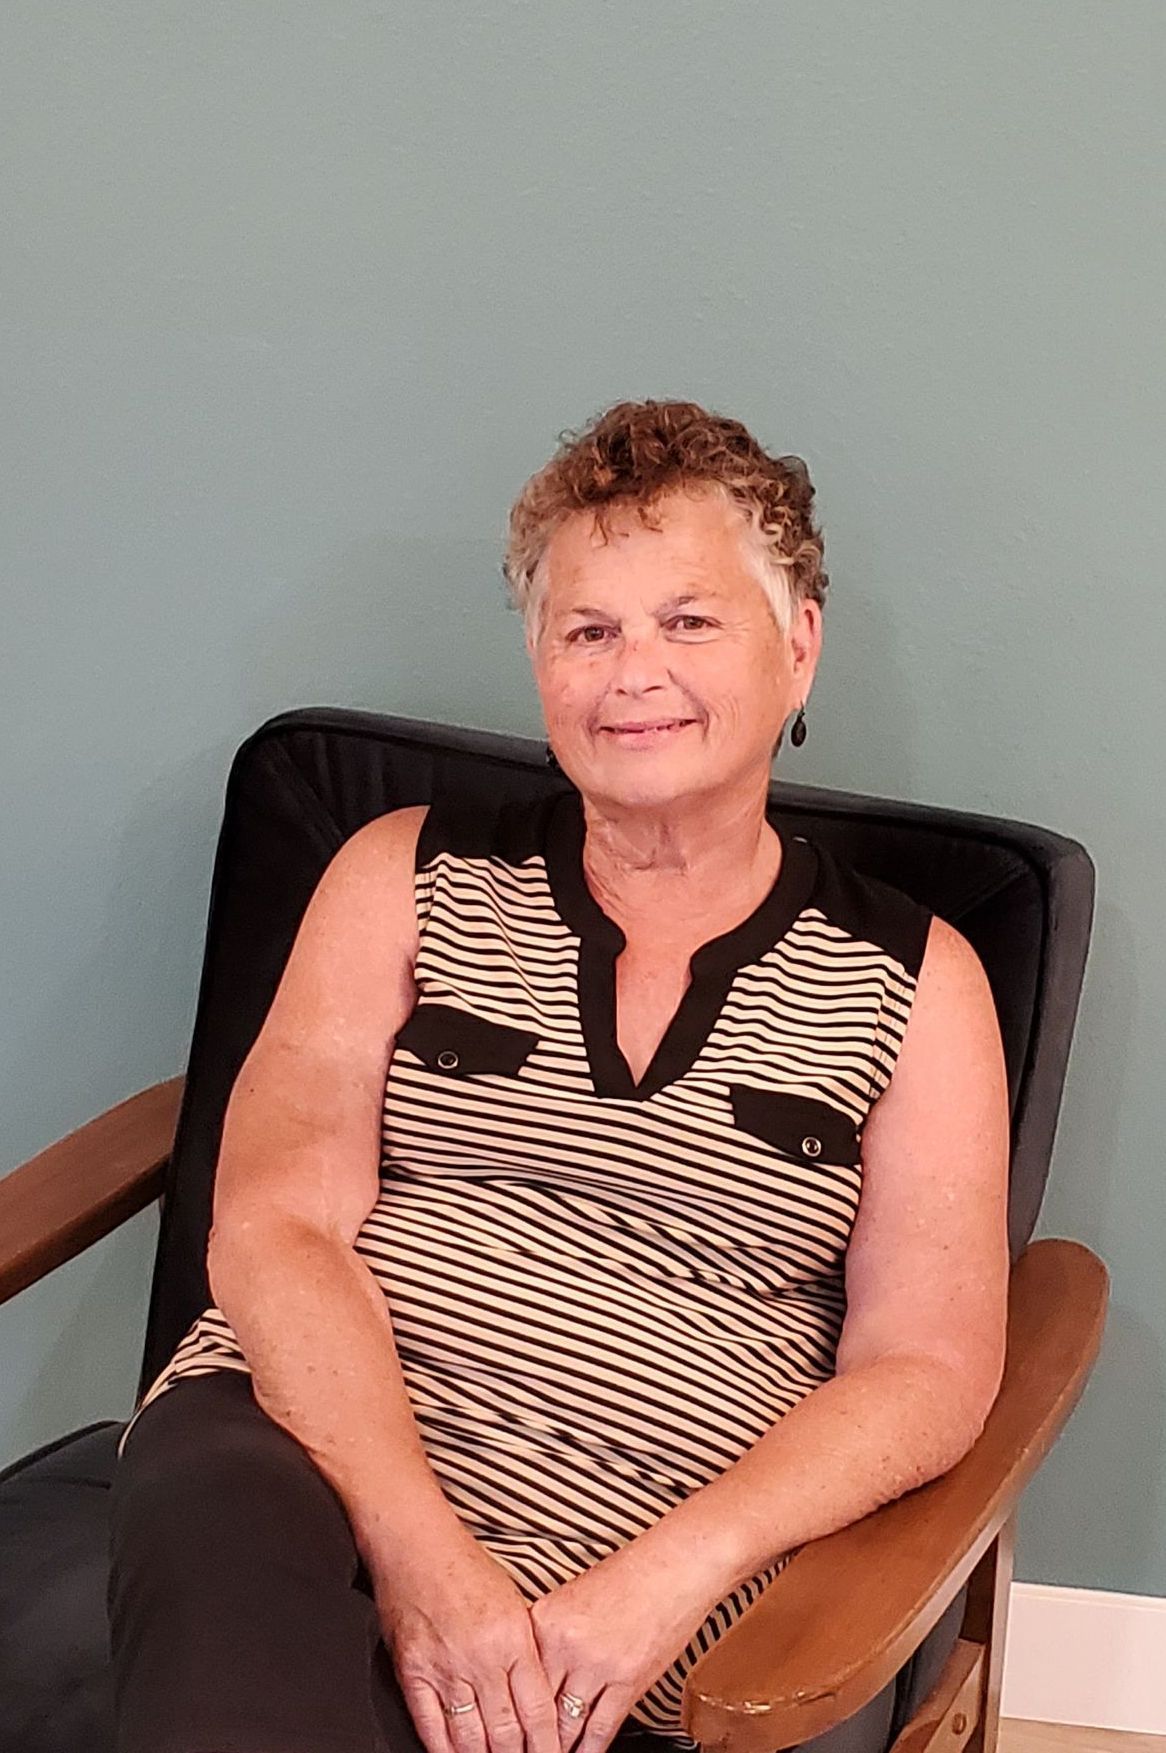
(241, 1613)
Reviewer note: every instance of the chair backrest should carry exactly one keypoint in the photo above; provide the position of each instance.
(307, 780)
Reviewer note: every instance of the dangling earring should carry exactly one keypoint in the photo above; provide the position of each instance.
(797, 735)
(552, 763)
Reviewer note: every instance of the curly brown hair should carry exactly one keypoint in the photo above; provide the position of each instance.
(636, 452)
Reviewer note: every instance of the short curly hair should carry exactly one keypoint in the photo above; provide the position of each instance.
(636, 452)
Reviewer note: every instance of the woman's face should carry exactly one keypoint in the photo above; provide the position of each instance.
(661, 670)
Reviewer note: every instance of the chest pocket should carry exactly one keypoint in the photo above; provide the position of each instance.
(453, 1042)
(801, 1128)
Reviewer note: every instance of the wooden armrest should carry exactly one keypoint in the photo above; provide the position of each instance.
(839, 1622)
(70, 1195)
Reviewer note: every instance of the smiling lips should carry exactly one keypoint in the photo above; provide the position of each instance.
(648, 731)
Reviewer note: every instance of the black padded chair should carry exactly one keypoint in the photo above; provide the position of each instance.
(908, 1604)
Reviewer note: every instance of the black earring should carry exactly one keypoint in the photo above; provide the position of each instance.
(797, 735)
(552, 763)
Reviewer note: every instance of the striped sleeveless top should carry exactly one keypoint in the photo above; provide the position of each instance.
(604, 1292)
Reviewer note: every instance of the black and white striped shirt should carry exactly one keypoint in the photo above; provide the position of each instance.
(604, 1292)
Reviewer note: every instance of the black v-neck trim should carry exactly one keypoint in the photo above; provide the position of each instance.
(714, 965)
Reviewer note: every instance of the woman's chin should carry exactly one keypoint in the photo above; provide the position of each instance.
(643, 782)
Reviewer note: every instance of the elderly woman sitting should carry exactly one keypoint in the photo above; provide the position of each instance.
(613, 1200)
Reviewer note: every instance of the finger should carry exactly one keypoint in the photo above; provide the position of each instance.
(504, 1731)
(441, 1732)
(573, 1728)
(467, 1730)
(553, 1666)
(602, 1722)
(428, 1717)
(534, 1701)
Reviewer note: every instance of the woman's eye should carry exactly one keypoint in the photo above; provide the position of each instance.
(699, 620)
(580, 634)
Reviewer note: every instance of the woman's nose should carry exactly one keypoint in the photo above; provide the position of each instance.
(640, 662)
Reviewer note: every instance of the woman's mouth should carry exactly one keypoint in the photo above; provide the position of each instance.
(648, 733)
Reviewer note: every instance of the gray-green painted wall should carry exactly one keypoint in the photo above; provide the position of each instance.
(297, 296)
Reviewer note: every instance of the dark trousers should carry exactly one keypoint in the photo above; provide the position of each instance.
(242, 1617)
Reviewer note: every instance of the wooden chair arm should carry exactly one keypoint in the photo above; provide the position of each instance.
(79, 1189)
(840, 1621)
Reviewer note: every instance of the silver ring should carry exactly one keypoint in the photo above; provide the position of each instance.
(572, 1706)
(459, 1709)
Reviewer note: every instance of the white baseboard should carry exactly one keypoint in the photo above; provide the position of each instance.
(1085, 1656)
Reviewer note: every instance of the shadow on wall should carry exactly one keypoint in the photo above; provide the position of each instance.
(113, 1022)
(122, 1016)
(399, 624)
(1114, 1533)
(72, 1344)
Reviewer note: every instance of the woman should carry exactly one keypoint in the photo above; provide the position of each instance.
(549, 1321)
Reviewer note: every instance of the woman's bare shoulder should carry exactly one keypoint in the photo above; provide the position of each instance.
(386, 845)
(369, 882)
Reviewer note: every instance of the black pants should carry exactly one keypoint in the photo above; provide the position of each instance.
(242, 1618)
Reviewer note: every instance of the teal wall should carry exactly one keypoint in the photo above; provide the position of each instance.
(296, 298)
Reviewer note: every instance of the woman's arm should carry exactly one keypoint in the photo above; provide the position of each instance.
(921, 1355)
(297, 1175)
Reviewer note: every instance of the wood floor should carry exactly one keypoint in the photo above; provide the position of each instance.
(1022, 1737)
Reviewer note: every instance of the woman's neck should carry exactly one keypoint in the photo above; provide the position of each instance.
(686, 867)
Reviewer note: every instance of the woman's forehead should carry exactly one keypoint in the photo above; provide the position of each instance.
(696, 544)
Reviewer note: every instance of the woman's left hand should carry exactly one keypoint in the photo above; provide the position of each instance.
(609, 1633)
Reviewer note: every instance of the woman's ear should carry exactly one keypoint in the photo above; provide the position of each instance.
(805, 645)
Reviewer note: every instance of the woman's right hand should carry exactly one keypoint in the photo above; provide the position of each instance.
(458, 1628)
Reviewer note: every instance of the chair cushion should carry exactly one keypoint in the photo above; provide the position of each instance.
(56, 1693)
(917, 1679)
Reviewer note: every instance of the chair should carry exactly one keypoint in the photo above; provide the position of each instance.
(914, 1596)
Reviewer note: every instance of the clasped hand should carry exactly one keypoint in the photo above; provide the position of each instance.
(459, 1630)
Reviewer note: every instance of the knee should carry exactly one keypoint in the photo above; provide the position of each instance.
(178, 1467)
(228, 1487)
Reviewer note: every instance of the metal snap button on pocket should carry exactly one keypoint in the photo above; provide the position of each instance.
(812, 1146)
(447, 1060)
